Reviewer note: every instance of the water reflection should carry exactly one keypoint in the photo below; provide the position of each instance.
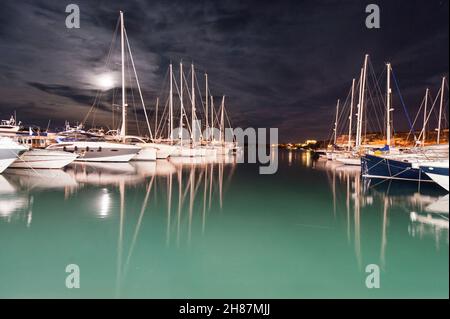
(183, 189)
(424, 208)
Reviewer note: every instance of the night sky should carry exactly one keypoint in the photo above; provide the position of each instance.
(280, 63)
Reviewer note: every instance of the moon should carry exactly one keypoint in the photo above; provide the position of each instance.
(105, 81)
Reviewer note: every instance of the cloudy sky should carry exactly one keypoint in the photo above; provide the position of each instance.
(280, 63)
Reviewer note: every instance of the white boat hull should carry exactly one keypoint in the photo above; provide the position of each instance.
(98, 151)
(4, 163)
(147, 153)
(9, 152)
(441, 180)
(349, 161)
(187, 151)
(163, 151)
(44, 159)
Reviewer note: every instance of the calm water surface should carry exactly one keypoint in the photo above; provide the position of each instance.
(175, 229)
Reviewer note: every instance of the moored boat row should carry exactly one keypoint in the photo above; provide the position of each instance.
(422, 161)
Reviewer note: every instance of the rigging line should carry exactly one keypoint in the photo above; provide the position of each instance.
(108, 58)
(162, 118)
(190, 99)
(162, 122)
(377, 98)
(138, 85)
(415, 119)
(343, 111)
(133, 98)
(403, 103)
(375, 111)
(432, 107)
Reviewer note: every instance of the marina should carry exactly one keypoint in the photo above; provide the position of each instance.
(208, 150)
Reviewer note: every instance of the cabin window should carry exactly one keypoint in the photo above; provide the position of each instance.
(114, 150)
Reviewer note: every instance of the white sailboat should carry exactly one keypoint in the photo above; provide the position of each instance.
(147, 152)
(438, 172)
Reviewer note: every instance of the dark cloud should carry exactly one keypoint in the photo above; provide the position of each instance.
(280, 63)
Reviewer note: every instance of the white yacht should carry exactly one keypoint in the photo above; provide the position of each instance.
(44, 159)
(9, 126)
(9, 152)
(98, 151)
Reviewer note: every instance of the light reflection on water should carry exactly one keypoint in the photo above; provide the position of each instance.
(156, 216)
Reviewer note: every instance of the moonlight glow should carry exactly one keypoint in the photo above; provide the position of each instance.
(105, 81)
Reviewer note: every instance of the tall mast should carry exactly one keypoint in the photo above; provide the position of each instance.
(212, 117)
(350, 116)
(440, 110)
(362, 95)
(156, 116)
(388, 105)
(193, 102)
(336, 122)
(180, 134)
(222, 120)
(171, 103)
(358, 135)
(206, 102)
(424, 128)
(122, 49)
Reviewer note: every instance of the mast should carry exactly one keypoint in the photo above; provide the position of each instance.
(212, 117)
(156, 116)
(222, 121)
(336, 122)
(122, 49)
(171, 102)
(388, 105)
(180, 134)
(358, 135)
(193, 102)
(206, 103)
(440, 110)
(350, 117)
(425, 117)
(362, 95)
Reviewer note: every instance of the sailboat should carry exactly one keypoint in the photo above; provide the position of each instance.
(147, 152)
(409, 165)
(438, 172)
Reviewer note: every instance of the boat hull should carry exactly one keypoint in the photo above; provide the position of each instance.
(99, 151)
(43, 159)
(349, 161)
(9, 152)
(147, 153)
(163, 150)
(438, 174)
(383, 168)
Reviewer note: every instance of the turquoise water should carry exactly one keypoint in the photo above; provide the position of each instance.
(219, 230)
